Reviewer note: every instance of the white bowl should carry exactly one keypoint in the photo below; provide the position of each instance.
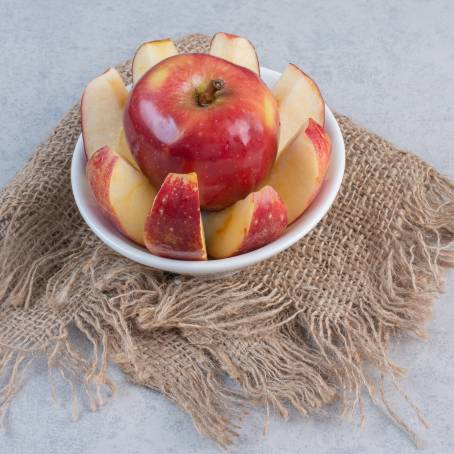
(106, 231)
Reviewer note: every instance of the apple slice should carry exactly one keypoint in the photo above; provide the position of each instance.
(123, 149)
(122, 192)
(298, 173)
(248, 224)
(299, 99)
(235, 49)
(102, 106)
(101, 109)
(150, 54)
(173, 227)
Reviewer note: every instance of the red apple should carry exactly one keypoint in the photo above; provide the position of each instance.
(199, 113)
(247, 225)
(173, 227)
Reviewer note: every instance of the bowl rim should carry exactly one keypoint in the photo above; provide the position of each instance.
(295, 232)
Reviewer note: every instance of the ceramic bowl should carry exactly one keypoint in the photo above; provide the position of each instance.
(106, 231)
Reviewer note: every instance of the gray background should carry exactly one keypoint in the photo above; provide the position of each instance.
(388, 65)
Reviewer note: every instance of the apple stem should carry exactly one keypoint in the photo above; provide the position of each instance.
(206, 97)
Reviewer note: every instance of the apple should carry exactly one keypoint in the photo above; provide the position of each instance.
(122, 192)
(235, 49)
(199, 113)
(122, 148)
(173, 227)
(248, 224)
(150, 54)
(101, 109)
(300, 169)
(299, 99)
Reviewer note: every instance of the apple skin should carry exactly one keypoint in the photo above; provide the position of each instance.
(231, 143)
(268, 222)
(248, 224)
(173, 227)
(322, 144)
(99, 173)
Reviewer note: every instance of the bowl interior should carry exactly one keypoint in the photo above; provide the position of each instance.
(105, 230)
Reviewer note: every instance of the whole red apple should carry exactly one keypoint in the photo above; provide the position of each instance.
(199, 113)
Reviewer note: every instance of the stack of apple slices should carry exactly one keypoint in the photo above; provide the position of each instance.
(169, 222)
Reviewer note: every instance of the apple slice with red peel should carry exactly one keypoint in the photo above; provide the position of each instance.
(299, 99)
(173, 227)
(150, 54)
(235, 49)
(101, 109)
(123, 149)
(247, 225)
(299, 171)
(122, 192)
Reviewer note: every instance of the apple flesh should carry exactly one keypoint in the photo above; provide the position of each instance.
(121, 191)
(299, 99)
(101, 109)
(199, 113)
(150, 54)
(247, 225)
(300, 169)
(236, 50)
(122, 148)
(173, 227)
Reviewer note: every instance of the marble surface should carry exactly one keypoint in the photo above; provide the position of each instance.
(388, 65)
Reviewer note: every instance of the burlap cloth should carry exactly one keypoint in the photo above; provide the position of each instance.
(303, 329)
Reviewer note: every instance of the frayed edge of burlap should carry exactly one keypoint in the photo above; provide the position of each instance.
(82, 371)
(189, 378)
(38, 313)
(226, 305)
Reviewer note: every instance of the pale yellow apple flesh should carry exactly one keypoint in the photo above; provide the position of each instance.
(247, 225)
(225, 230)
(236, 50)
(123, 193)
(101, 109)
(150, 54)
(123, 149)
(299, 99)
(298, 173)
